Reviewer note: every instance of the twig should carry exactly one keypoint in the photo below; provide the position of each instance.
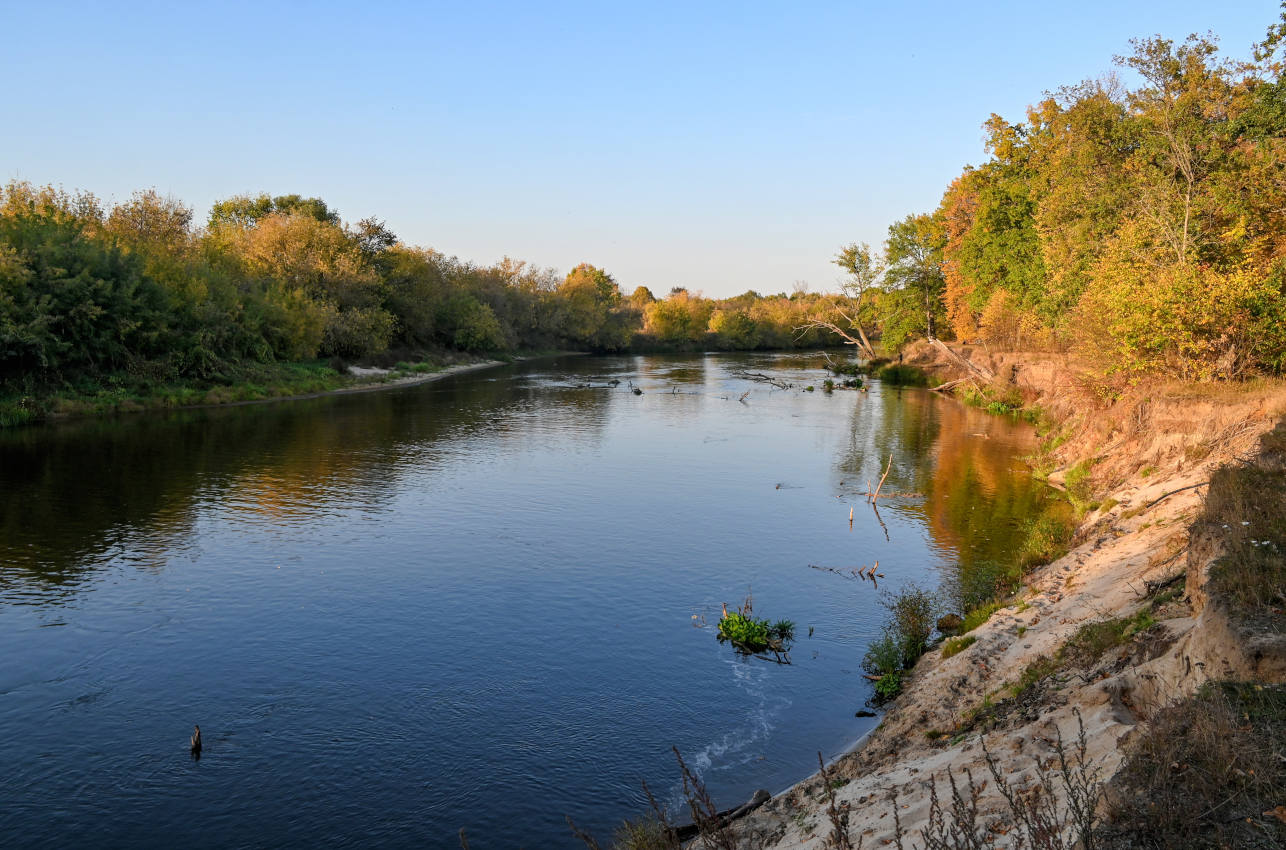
(764, 379)
(576, 831)
(671, 836)
(876, 494)
(838, 839)
(851, 573)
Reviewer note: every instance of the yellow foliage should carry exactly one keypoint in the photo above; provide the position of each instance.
(1006, 326)
(1190, 320)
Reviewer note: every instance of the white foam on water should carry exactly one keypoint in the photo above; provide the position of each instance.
(740, 745)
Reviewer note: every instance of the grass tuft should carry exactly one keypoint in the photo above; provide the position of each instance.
(956, 645)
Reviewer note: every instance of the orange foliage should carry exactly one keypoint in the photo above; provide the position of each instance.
(956, 215)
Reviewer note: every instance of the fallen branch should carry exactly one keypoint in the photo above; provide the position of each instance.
(764, 379)
(967, 365)
(948, 386)
(851, 573)
(1171, 493)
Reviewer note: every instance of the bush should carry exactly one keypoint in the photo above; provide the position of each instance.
(904, 639)
(883, 656)
(914, 614)
(889, 686)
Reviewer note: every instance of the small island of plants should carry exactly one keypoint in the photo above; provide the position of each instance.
(753, 636)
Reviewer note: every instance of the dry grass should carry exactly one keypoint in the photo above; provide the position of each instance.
(1246, 511)
(1057, 813)
(1208, 772)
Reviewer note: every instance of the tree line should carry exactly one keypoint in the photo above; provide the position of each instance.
(139, 290)
(1143, 228)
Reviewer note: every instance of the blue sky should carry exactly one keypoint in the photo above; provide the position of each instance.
(718, 146)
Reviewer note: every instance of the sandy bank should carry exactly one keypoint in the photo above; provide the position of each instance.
(375, 383)
(1151, 450)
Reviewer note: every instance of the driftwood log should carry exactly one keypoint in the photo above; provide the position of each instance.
(689, 831)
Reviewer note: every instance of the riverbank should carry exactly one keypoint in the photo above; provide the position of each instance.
(1105, 636)
(265, 385)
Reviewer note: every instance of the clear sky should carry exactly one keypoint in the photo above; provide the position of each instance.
(717, 146)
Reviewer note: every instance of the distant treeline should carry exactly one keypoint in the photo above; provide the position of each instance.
(138, 290)
(1143, 228)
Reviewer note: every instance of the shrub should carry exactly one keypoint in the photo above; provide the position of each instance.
(914, 614)
(889, 686)
(905, 637)
(883, 656)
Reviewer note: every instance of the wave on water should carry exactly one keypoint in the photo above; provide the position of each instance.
(743, 744)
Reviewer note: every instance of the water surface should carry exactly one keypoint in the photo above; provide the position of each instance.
(486, 602)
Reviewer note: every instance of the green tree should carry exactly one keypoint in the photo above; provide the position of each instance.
(592, 306)
(248, 210)
(913, 280)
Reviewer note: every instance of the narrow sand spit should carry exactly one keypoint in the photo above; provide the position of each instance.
(405, 381)
(373, 386)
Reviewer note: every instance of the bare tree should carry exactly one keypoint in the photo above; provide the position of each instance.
(842, 315)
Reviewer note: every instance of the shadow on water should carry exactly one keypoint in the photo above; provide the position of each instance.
(75, 495)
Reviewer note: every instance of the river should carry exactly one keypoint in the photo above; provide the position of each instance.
(485, 602)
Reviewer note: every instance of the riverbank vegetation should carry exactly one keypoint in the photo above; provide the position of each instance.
(138, 302)
(1133, 220)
